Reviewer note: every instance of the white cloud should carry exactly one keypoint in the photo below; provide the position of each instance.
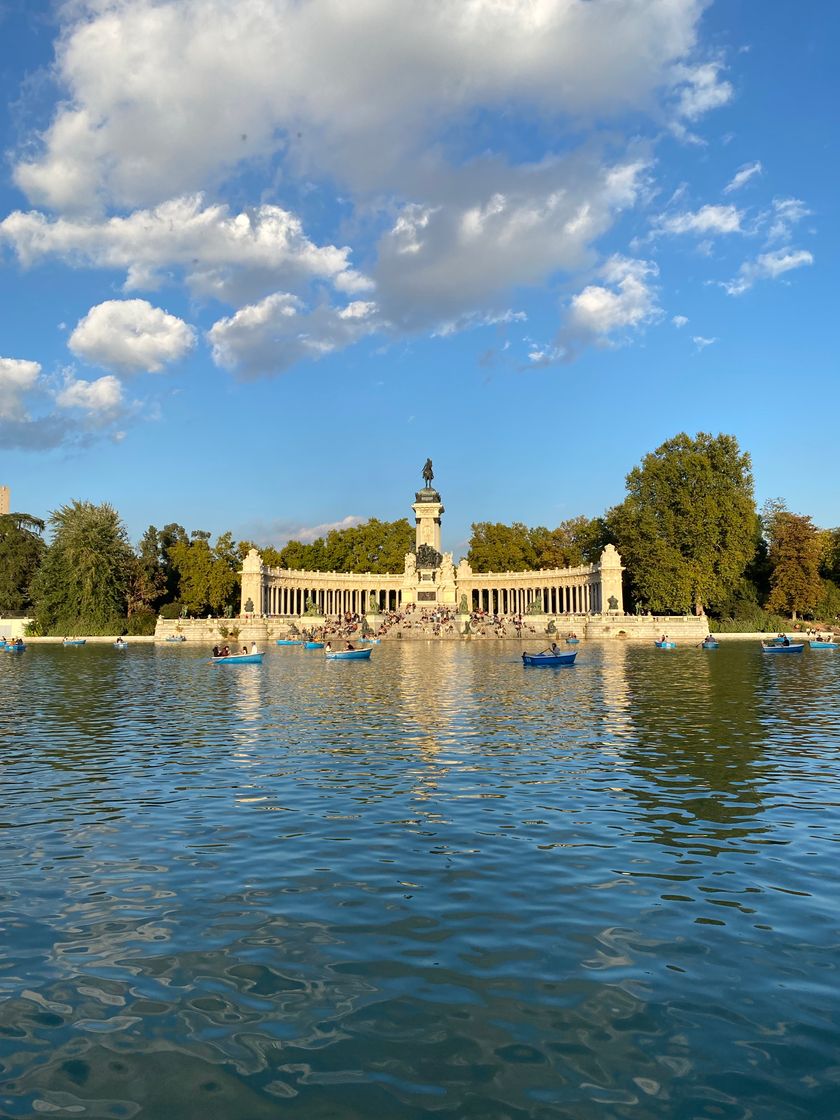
(270, 336)
(17, 377)
(679, 321)
(440, 263)
(742, 176)
(163, 97)
(101, 396)
(630, 302)
(706, 220)
(130, 336)
(767, 266)
(220, 254)
(702, 90)
(701, 343)
(280, 532)
(784, 215)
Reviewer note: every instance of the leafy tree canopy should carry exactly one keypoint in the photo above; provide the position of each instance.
(82, 583)
(374, 546)
(21, 551)
(795, 551)
(208, 577)
(687, 528)
(495, 547)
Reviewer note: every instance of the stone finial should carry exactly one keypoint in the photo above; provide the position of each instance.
(252, 562)
(610, 557)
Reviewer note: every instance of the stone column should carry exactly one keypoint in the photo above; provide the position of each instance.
(253, 578)
(611, 568)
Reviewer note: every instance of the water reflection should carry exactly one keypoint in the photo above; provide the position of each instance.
(435, 884)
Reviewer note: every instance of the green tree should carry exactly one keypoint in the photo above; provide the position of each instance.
(82, 584)
(374, 546)
(207, 576)
(495, 547)
(686, 529)
(795, 547)
(21, 551)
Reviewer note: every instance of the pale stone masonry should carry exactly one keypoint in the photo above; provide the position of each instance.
(287, 593)
(5, 500)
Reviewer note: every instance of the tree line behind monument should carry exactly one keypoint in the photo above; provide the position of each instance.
(688, 532)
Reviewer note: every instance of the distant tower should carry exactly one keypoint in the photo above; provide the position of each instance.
(4, 500)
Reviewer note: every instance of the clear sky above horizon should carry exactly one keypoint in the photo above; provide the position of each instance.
(259, 259)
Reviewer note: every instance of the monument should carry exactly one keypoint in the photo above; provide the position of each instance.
(5, 506)
(431, 579)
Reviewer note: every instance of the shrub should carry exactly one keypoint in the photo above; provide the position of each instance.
(171, 610)
(141, 623)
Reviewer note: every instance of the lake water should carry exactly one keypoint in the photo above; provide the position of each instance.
(437, 884)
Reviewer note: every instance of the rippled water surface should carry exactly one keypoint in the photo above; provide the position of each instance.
(432, 885)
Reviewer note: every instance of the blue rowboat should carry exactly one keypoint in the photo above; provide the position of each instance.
(572, 641)
(74, 641)
(12, 647)
(348, 654)
(239, 659)
(371, 641)
(288, 642)
(665, 645)
(709, 645)
(120, 644)
(313, 645)
(824, 645)
(549, 658)
(175, 638)
(794, 647)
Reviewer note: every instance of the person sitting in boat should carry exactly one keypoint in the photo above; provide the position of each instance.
(253, 647)
(785, 640)
(244, 651)
(349, 645)
(664, 638)
(225, 652)
(328, 647)
(216, 651)
(554, 648)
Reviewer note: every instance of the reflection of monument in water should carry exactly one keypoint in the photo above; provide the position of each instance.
(431, 579)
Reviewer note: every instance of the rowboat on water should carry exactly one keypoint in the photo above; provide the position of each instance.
(239, 659)
(665, 645)
(348, 654)
(824, 645)
(549, 658)
(371, 641)
(175, 638)
(313, 645)
(288, 642)
(572, 641)
(74, 641)
(792, 647)
(709, 645)
(14, 647)
(120, 644)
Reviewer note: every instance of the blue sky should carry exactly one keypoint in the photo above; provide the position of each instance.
(258, 260)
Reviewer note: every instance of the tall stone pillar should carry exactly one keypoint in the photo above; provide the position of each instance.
(612, 598)
(427, 513)
(253, 571)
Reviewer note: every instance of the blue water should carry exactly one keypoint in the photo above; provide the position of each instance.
(437, 884)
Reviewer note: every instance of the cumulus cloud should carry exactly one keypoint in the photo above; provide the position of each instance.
(703, 222)
(630, 300)
(229, 256)
(679, 321)
(17, 378)
(742, 176)
(767, 266)
(280, 532)
(158, 102)
(437, 263)
(102, 396)
(701, 343)
(270, 336)
(130, 336)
